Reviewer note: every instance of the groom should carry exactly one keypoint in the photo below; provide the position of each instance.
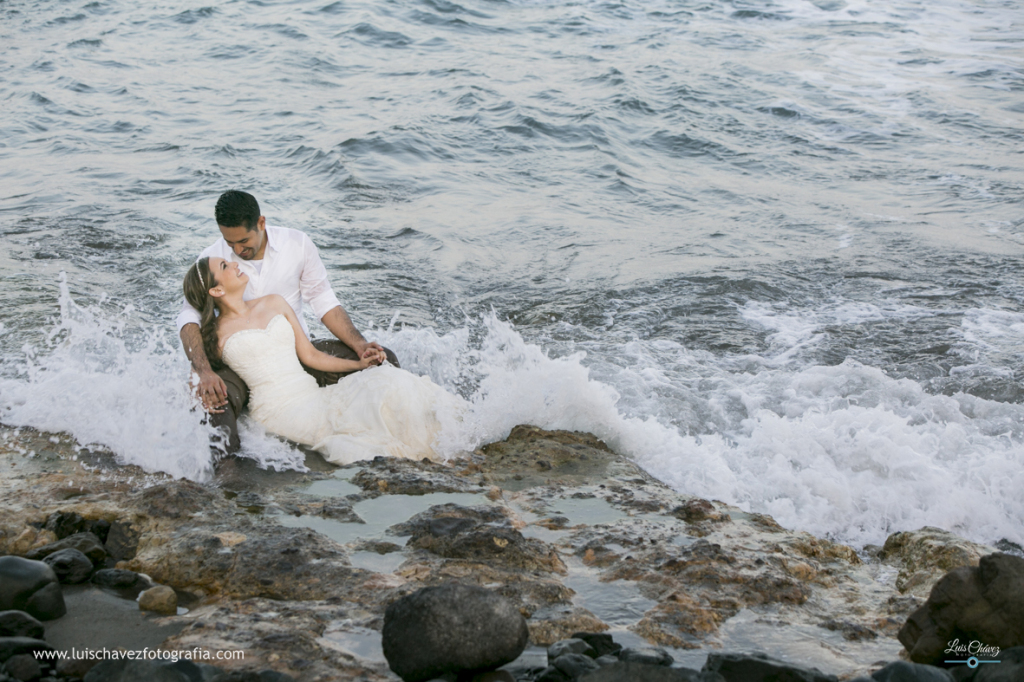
(281, 261)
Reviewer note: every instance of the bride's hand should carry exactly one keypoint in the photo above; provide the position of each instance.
(371, 357)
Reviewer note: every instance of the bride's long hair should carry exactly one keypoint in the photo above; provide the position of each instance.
(198, 282)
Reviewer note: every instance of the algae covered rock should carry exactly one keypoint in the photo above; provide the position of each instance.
(925, 555)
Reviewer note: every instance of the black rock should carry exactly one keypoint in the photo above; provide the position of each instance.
(274, 676)
(63, 524)
(645, 672)
(655, 656)
(14, 646)
(23, 667)
(983, 603)
(570, 646)
(761, 668)
(601, 642)
(86, 543)
(552, 674)
(134, 671)
(575, 665)
(451, 628)
(902, 671)
(237, 676)
(192, 671)
(70, 565)
(120, 579)
(100, 528)
(30, 586)
(122, 541)
(20, 624)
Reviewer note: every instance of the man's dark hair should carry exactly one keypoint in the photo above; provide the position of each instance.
(237, 209)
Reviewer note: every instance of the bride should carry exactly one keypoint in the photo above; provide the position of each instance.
(381, 411)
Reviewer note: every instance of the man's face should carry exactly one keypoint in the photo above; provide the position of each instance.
(247, 244)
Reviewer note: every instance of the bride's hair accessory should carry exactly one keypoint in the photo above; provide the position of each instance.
(199, 271)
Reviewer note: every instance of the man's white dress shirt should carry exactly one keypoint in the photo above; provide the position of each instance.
(291, 267)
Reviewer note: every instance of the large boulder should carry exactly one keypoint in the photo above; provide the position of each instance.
(451, 628)
(30, 586)
(983, 604)
(70, 565)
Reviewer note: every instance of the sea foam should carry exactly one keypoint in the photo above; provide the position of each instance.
(842, 451)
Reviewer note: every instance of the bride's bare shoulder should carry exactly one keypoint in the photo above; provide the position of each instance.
(270, 302)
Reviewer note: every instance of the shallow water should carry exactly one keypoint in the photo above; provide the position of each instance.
(768, 248)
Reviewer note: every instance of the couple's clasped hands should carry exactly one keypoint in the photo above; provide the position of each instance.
(372, 355)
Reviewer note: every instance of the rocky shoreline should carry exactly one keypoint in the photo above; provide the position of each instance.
(297, 570)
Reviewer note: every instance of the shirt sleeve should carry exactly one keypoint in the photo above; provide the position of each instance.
(187, 315)
(313, 282)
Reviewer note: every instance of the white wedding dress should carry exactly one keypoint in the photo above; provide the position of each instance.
(377, 411)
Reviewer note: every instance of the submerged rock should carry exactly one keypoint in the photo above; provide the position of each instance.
(396, 476)
(451, 628)
(30, 586)
(983, 604)
(477, 534)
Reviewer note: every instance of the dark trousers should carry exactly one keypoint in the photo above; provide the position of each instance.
(238, 392)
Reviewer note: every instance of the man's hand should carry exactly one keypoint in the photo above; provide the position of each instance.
(212, 391)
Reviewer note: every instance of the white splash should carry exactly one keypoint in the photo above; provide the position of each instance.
(844, 451)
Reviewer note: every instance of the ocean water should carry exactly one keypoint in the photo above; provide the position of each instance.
(769, 249)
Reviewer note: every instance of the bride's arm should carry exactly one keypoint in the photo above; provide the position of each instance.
(311, 357)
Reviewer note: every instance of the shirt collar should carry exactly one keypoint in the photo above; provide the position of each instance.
(270, 240)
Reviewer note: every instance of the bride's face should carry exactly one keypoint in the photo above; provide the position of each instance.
(228, 275)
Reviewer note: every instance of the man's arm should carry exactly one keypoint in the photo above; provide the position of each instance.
(338, 321)
(211, 390)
